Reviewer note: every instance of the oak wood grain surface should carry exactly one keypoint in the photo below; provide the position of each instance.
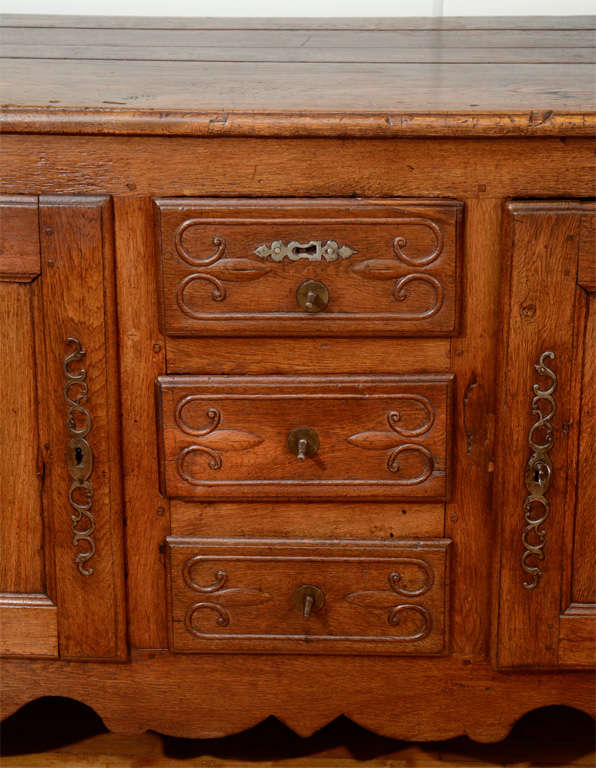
(286, 355)
(456, 77)
(250, 167)
(66, 21)
(141, 361)
(223, 52)
(295, 520)
(19, 239)
(21, 535)
(586, 268)
(583, 588)
(347, 39)
(286, 115)
(158, 691)
(28, 626)
(473, 361)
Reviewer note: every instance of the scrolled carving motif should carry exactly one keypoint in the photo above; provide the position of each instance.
(213, 269)
(391, 269)
(538, 472)
(394, 417)
(213, 442)
(79, 458)
(215, 460)
(397, 613)
(421, 294)
(385, 599)
(400, 242)
(221, 578)
(373, 440)
(222, 620)
(235, 596)
(400, 293)
(396, 581)
(213, 416)
(393, 464)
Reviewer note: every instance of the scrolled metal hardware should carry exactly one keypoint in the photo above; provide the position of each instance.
(308, 599)
(312, 296)
(538, 474)
(79, 457)
(314, 250)
(303, 442)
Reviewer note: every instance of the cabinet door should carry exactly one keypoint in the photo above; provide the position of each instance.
(61, 561)
(545, 491)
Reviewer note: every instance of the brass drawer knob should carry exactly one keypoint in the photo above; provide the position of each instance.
(303, 442)
(312, 296)
(308, 599)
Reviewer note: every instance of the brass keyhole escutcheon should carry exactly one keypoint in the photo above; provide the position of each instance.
(308, 599)
(79, 459)
(303, 442)
(312, 296)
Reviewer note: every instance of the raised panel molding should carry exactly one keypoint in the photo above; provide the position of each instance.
(82, 492)
(19, 239)
(544, 419)
(391, 267)
(28, 626)
(249, 419)
(248, 595)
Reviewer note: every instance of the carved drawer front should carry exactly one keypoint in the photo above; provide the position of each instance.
(283, 267)
(305, 437)
(308, 596)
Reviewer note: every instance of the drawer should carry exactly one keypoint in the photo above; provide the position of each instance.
(308, 596)
(305, 437)
(300, 267)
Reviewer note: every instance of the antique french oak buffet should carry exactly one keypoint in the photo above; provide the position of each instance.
(297, 375)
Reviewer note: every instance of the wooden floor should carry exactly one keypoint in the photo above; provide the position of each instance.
(59, 732)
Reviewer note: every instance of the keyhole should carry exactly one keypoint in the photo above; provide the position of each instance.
(310, 250)
(78, 455)
(541, 474)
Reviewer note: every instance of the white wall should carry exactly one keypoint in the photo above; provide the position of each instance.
(302, 7)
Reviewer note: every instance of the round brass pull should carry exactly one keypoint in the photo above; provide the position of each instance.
(312, 296)
(303, 442)
(308, 599)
